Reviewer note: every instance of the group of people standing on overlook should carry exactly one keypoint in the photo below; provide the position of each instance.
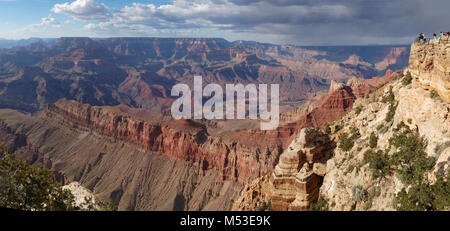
(423, 39)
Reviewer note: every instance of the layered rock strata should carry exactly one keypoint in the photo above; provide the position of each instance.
(295, 183)
(430, 64)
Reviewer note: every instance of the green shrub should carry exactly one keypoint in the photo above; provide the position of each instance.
(327, 129)
(354, 131)
(374, 192)
(358, 110)
(359, 194)
(348, 141)
(379, 163)
(391, 112)
(434, 95)
(441, 147)
(413, 163)
(264, 206)
(400, 126)
(407, 79)
(350, 168)
(389, 98)
(410, 156)
(425, 197)
(367, 205)
(32, 188)
(320, 205)
(373, 140)
(379, 127)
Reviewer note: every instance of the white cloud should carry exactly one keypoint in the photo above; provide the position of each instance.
(184, 14)
(83, 10)
(221, 17)
(90, 26)
(45, 23)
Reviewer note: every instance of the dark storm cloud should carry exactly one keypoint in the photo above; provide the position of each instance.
(364, 21)
(296, 21)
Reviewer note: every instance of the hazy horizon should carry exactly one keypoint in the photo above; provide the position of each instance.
(230, 41)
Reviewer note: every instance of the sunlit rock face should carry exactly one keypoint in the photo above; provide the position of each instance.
(430, 64)
(294, 180)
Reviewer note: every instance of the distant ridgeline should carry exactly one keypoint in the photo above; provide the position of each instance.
(429, 63)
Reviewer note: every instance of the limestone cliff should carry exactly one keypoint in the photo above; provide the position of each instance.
(296, 180)
(348, 171)
(352, 181)
(429, 63)
(392, 149)
(295, 183)
(184, 140)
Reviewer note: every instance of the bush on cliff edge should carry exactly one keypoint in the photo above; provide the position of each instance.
(32, 188)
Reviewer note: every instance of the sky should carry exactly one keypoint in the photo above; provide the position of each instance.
(301, 22)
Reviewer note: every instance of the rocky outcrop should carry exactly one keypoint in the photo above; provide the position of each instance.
(295, 183)
(81, 195)
(348, 171)
(300, 187)
(338, 102)
(378, 81)
(254, 195)
(429, 63)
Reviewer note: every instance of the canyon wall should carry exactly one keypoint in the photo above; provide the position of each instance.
(115, 170)
(184, 140)
(295, 182)
(429, 63)
(143, 164)
(119, 155)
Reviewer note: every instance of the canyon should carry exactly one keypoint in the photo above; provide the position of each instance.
(125, 158)
(355, 169)
(139, 72)
(96, 112)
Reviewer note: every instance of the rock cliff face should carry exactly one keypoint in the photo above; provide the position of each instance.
(430, 64)
(295, 183)
(297, 178)
(84, 141)
(184, 140)
(362, 174)
(348, 170)
(349, 183)
(339, 101)
(123, 172)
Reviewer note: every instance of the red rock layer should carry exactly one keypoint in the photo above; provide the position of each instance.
(181, 140)
(237, 156)
(377, 81)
